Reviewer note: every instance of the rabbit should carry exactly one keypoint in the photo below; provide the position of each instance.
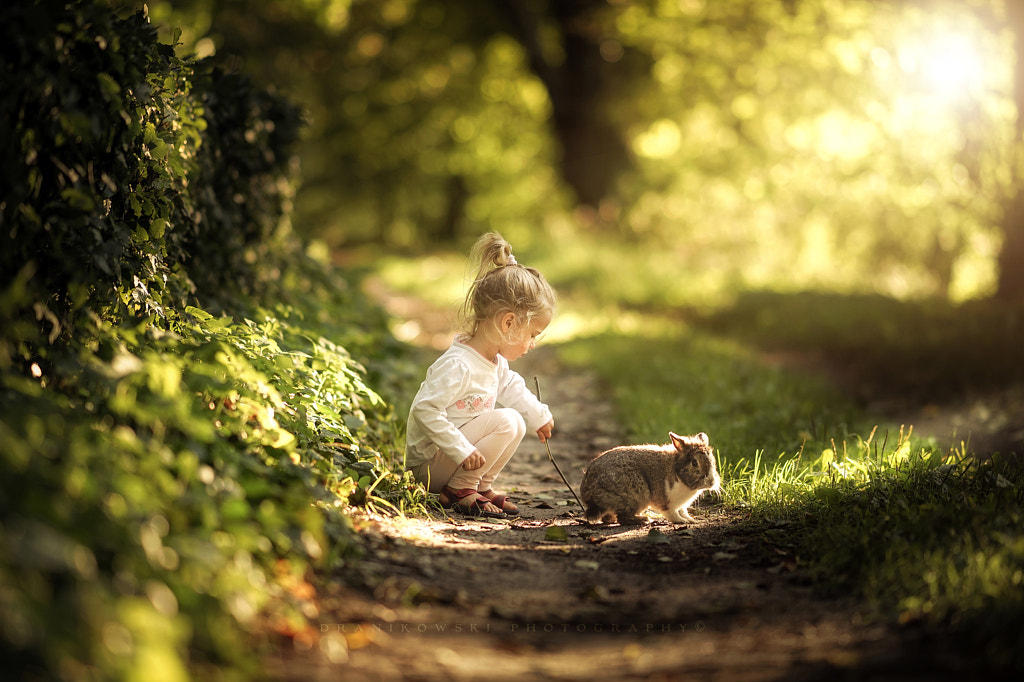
(622, 482)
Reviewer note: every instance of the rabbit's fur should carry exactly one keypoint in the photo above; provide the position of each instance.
(621, 483)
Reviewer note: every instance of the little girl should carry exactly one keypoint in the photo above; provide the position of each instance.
(459, 439)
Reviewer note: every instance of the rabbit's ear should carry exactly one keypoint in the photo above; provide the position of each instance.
(681, 441)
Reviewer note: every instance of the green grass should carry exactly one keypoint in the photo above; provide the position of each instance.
(934, 540)
(924, 350)
(690, 381)
(921, 533)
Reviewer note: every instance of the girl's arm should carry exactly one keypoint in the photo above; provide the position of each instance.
(512, 392)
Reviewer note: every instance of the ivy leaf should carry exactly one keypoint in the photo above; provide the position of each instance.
(157, 228)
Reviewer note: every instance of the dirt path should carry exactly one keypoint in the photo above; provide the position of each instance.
(547, 597)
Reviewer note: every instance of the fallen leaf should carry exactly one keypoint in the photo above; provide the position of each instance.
(656, 537)
(556, 534)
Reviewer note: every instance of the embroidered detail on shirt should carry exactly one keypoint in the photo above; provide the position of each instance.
(475, 404)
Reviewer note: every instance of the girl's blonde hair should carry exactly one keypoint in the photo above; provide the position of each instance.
(503, 285)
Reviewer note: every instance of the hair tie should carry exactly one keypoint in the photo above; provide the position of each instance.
(512, 260)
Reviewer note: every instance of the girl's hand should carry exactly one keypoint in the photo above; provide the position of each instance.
(474, 461)
(544, 432)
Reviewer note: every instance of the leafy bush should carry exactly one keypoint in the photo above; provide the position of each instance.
(168, 475)
(242, 188)
(104, 134)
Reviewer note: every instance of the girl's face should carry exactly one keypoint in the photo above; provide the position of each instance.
(521, 341)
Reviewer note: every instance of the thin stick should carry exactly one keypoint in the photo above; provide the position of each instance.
(536, 382)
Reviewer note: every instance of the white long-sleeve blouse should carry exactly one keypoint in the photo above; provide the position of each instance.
(459, 386)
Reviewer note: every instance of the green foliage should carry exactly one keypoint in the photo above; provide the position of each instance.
(134, 175)
(804, 143)
(853, 145)
(171, 472)
(242, 189)
(423, 123)
(187, 416)
(101, 136)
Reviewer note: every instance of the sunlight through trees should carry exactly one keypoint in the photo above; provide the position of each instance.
(842, 144)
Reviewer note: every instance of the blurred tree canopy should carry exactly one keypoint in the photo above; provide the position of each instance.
(850, 144)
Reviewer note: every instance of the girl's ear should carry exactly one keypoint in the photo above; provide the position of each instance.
(508, 322)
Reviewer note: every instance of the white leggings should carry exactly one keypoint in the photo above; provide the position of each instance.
(496, 434)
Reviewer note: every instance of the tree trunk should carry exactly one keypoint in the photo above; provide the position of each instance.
(1011, 258)
(593, 150)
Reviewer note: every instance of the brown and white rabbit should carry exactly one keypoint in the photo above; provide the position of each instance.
(621, 483)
